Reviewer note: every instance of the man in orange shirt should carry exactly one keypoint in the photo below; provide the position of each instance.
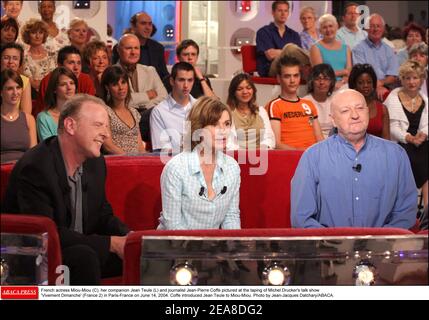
(294, 120)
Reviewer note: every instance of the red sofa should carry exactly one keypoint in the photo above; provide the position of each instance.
(133, 189)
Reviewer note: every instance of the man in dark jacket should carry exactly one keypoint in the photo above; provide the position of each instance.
(63, 178)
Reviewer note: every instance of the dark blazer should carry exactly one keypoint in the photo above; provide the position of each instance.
(38, 185)
(156, 57)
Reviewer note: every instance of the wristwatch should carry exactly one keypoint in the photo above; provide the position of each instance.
(202, 79)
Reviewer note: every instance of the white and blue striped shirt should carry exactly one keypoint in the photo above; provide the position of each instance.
(182, 206)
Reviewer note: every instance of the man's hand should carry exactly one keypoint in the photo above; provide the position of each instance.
(151, 94)
(381, 91)
(117, 245)
(271, 54)
(198, 73)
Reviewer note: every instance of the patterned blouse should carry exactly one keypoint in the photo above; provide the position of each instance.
(54, 44)
(123, 136)
(38, 69)
(307, 41)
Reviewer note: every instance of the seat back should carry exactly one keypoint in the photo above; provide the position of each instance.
(31, 224)
(248, 54)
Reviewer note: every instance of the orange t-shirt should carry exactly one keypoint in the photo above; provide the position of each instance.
(296, 121)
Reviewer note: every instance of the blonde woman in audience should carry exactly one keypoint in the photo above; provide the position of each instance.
(78, 33)
(408, 110)
(38, 61)
(57, 38)
(18, 129)
(62, 87)
(11, 56)
(250, 124)
(332, 51)
(96, 56)
(419, 52)
(125, 135)
(321, 85)
(309, 35)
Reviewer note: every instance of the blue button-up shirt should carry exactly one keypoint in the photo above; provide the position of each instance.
(330, 189)
(268, 37)
(167, 124)
(351, 38)
(381, 57)
(183, 208)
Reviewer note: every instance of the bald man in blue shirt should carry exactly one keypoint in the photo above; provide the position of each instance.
(353, 179)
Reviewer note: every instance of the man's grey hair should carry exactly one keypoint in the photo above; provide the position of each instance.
(374, 15)
(73, 106)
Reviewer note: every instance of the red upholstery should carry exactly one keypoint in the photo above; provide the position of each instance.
(133, 189)
(248, 54)
(28, 224)
(132, 253)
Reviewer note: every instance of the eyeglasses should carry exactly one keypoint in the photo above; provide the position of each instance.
(10, 58)
(322, 79)
(363, 66)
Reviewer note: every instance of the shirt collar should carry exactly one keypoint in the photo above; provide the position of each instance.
(194, 163)
(129, 68)
(346, 143)
(273, 26)
(173, 104)
(372, 44)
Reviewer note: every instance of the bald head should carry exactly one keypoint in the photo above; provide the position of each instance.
(342, 98)
(350, 114)
(129, 49)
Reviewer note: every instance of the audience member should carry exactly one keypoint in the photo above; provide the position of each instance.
(9, 31)
(272, 38)
(250, 123)
(167, 120)
(321, 85)
(200, 187)
(188, 51)
(419, 53)
(353, 179)
(78, 34)
(61, 88)
(18, 129)
(125, 135)
(375, 52)
(68, 57)
(38, 62)
(309, 35)
(146, 87)
(332, 51)
(56, 38)
(412, 34)
(423, 22)
(12, 56)
(64, 178)
(151, 51)
(408, 110)
(350, 33)
(12, 9)
(96, 56)
(363, 79)
(293, 120)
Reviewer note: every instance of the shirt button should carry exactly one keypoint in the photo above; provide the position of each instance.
(356, 179)
(357, 198)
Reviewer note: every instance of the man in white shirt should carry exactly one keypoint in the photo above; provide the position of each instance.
(167, 120)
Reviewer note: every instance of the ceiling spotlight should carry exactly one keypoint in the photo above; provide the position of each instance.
(276, 275)
(183, 274)
(365, 274)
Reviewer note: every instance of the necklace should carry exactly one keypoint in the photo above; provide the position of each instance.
(10, 116)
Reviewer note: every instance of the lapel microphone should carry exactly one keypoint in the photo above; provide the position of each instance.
(223, 191)
(357, 168)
